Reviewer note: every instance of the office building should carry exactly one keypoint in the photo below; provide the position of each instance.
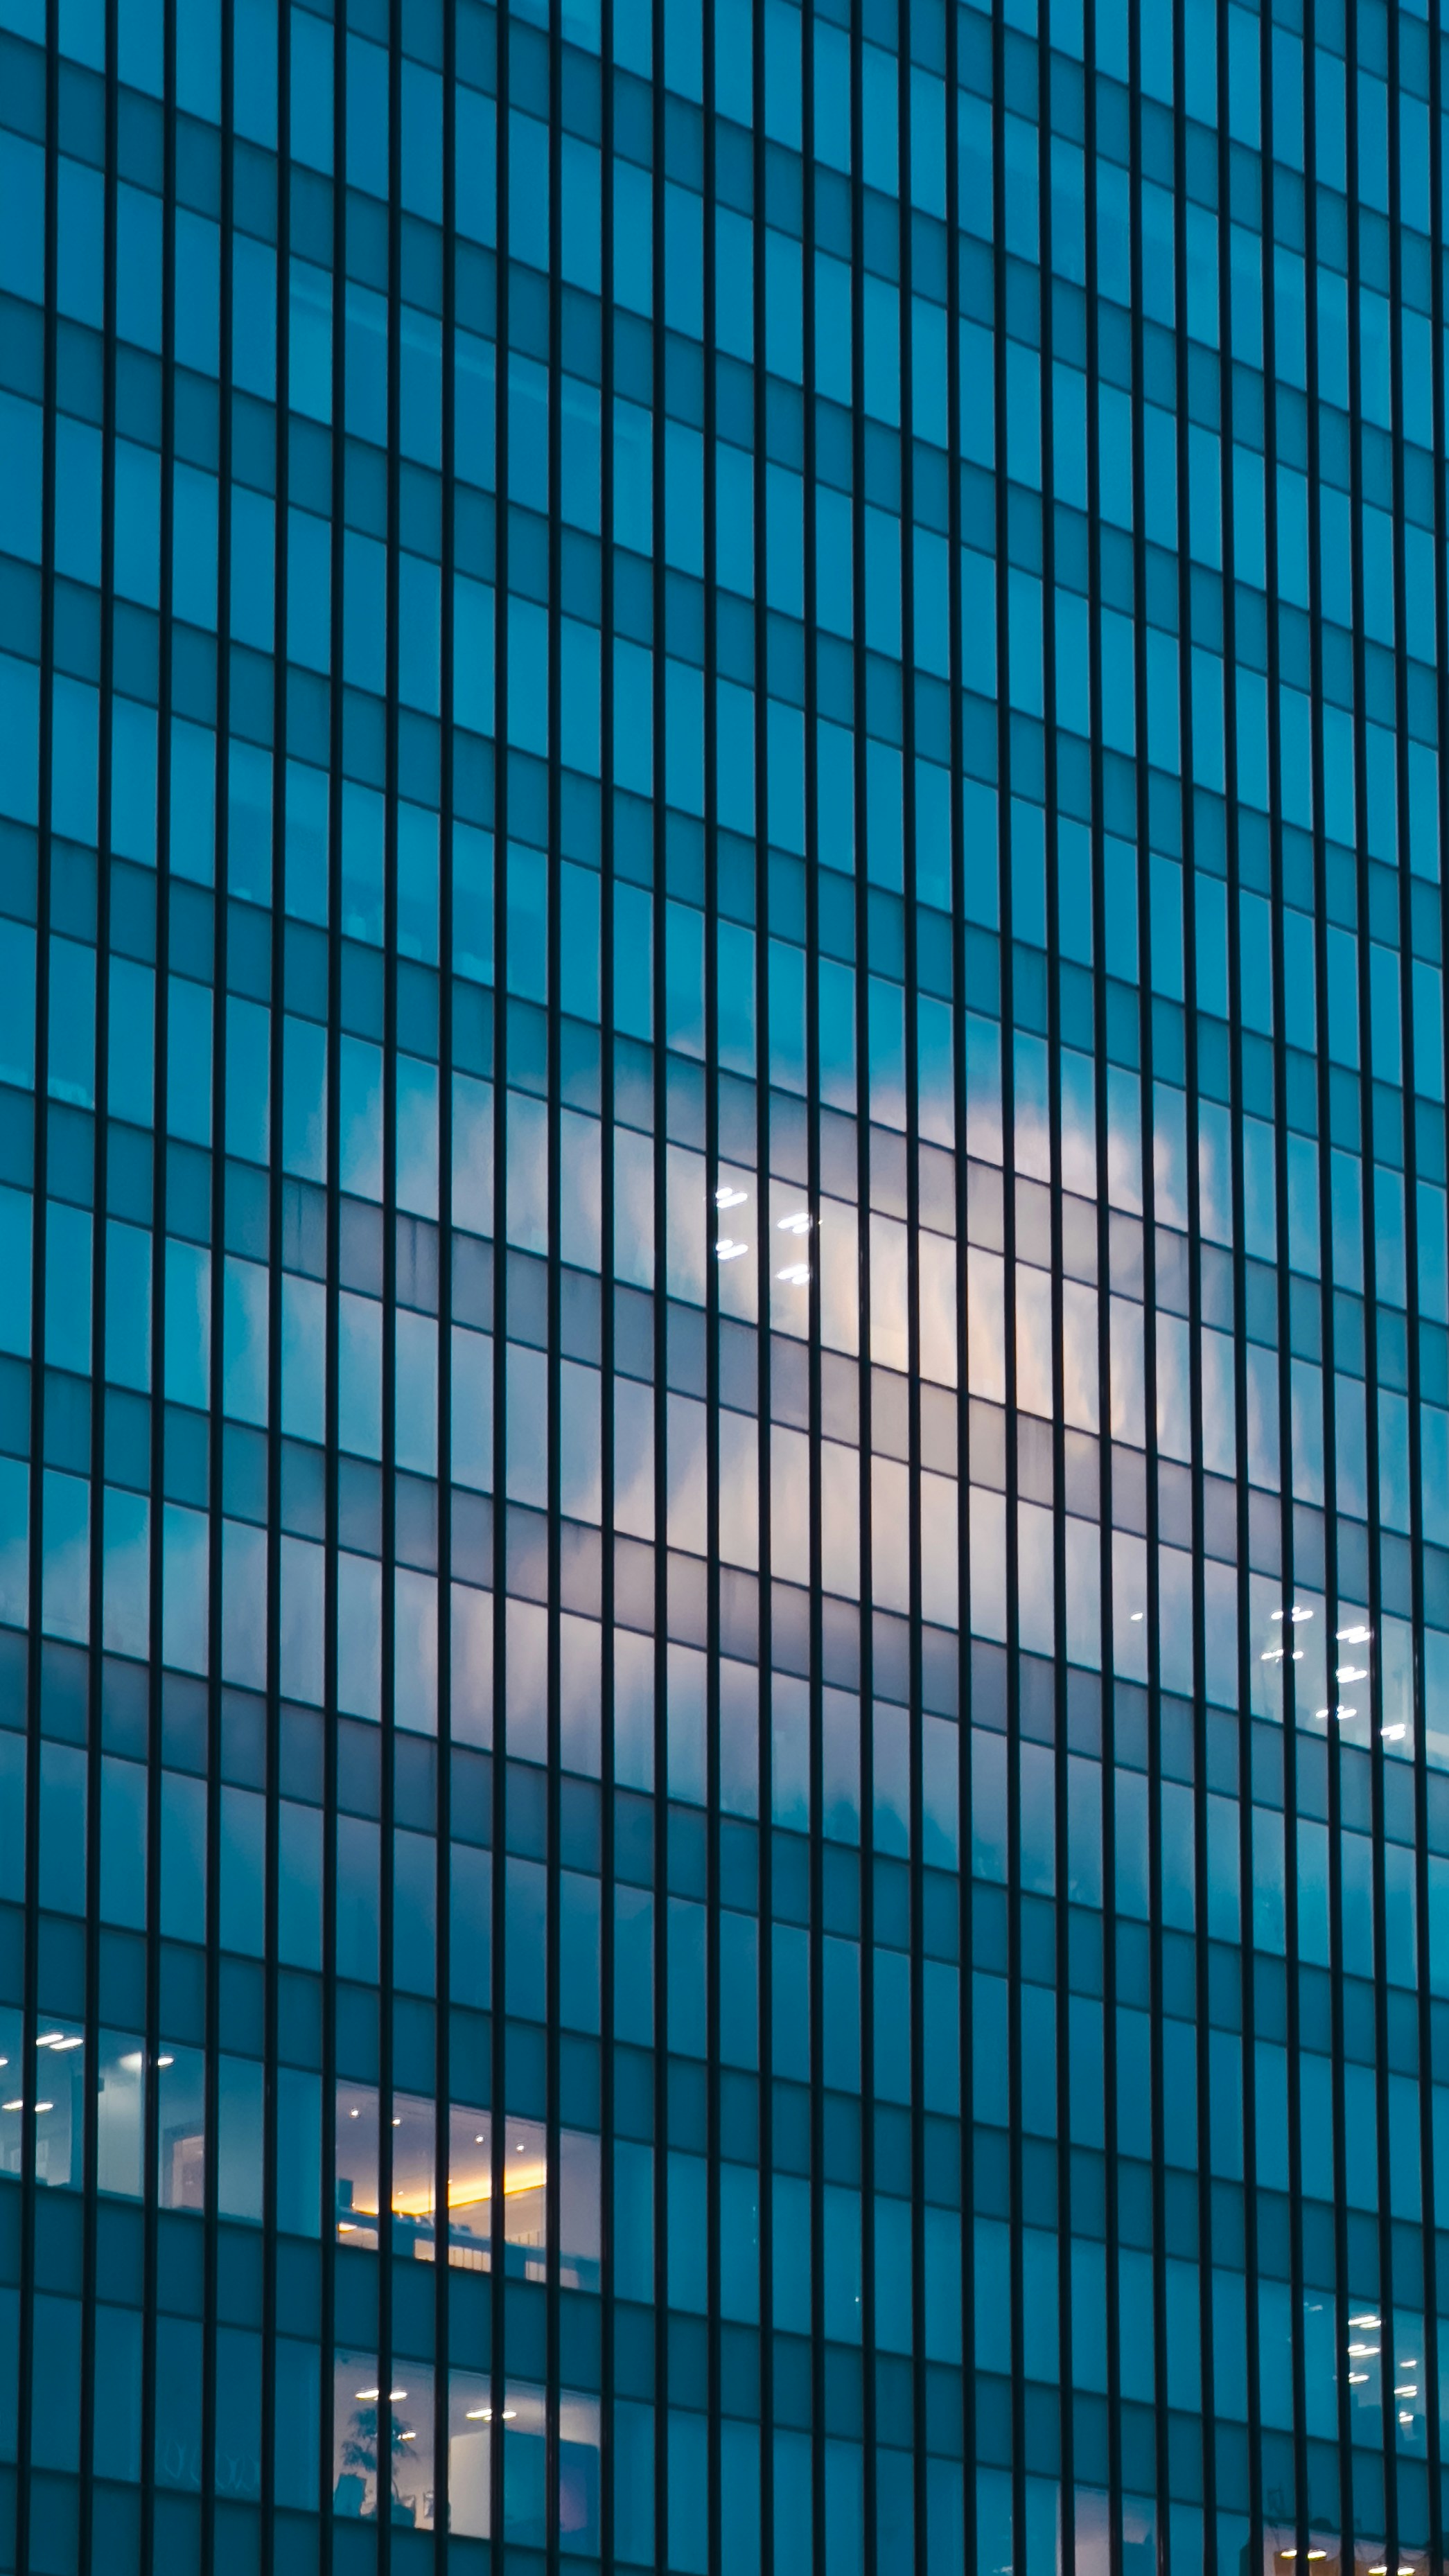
(724, 1356)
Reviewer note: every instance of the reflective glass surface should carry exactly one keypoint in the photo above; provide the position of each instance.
(724, 1317)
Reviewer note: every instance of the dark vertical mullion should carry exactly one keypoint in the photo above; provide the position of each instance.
(271, 1867)
(1408, 1041)
(766, 1887)
(606, 1252)
(1295, 1977)
(442, 2137)
(1371, 1372)
(28, 2024)
(714, 2500)
(910, 898)
(337, 635)
(764, 1883)
(1432, 2214)
(963, 1447)
(217, 1210)
(1147, 1006)
(811, 563)
(1245, 1723)
(1104, 1268)
(1286, 1521)
(1061, 1711)
(91, 2398)
(554, 1434)
(660, 873)
(502, 552)
(1438, 180)
(1365, 1088)
(1285, 1419)
(1008, 1205)
(870, 2482)
(216, 1835)
(816, 2072)
(1245, 1740)
(1342, 2301)
(1200, 1721)
(865, 1159)
(1236, 1176)
(150, 2171)
(389, 1693)
(211, 1964)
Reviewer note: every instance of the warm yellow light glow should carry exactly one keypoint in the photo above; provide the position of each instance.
(469, 2191)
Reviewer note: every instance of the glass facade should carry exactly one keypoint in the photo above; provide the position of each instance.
(724, 1353)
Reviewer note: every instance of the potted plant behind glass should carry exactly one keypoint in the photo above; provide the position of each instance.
(359, 2466)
